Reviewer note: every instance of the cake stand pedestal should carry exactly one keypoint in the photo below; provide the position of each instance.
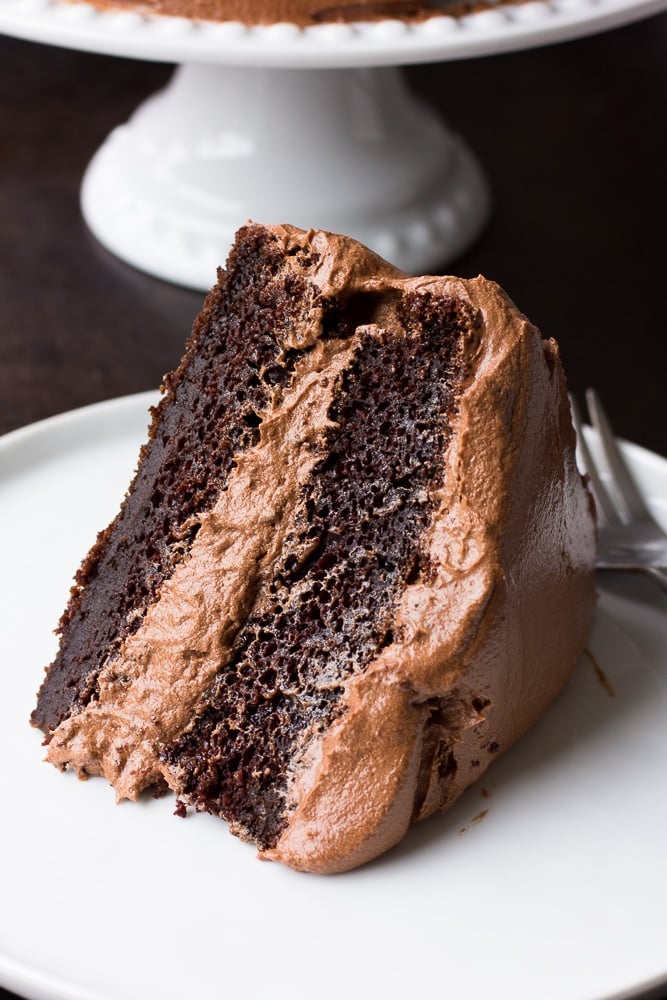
(352, 151)
(311, 126)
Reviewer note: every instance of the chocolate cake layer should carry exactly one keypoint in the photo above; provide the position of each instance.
(234, 361)
(353, 548)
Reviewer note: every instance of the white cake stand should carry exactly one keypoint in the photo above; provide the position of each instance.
(309, 126)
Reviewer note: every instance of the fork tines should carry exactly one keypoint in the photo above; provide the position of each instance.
(630, 537)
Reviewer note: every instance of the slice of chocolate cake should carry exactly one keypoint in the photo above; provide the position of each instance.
(354, 565)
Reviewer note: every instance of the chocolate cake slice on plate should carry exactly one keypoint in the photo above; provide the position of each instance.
(354, 564)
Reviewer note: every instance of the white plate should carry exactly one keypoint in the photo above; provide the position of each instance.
(391, 42)
(547, 881)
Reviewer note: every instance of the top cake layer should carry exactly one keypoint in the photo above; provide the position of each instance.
(355, 563)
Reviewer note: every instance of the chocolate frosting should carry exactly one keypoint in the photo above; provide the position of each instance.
(300, 12)
(303, 13)
(480, 648)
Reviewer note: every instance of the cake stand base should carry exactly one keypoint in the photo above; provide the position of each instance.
(352, 151)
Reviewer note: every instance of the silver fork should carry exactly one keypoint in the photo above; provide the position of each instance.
(629, 537)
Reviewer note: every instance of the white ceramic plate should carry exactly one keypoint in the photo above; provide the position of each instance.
(172, 39)
(547, 881)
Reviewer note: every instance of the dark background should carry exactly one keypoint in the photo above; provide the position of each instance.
(574, 140)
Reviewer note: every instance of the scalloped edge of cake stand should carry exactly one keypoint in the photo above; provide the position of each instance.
(504, 28)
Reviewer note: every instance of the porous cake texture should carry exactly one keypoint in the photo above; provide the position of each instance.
(354, 565)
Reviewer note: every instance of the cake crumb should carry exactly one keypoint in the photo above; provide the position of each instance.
(474, 821)
(603, 680)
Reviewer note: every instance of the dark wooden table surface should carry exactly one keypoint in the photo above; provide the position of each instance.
(574, 140)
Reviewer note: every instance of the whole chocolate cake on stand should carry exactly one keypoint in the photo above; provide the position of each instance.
(309, 123)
